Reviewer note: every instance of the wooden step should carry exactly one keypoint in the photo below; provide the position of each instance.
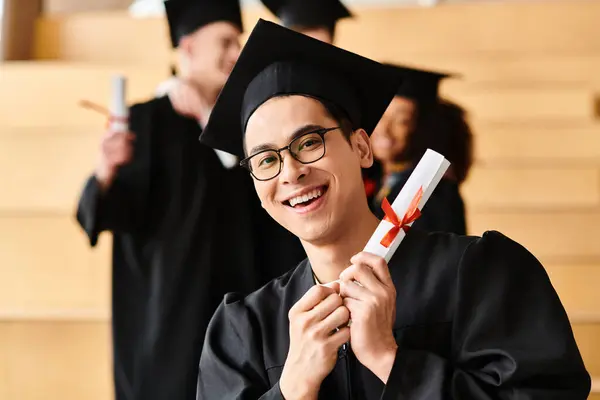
(54, 162)
(573, 144)
(79, 354)
(595, 388)
(24, 103)
(64, 279)
(532, 188)
(48, 167)
(76, 81)
(577, 286)
(69, 360)
(529, 69)
(501, 27)
(49, 272)
(551, 236)
(524, 103)
(588, 340)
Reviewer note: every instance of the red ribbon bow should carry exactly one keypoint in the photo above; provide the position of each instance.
(411, 216)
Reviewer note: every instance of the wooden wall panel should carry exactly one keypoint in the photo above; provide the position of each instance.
(18, 28)
(527, 69)
(564, 27)
(55, 360)
(587, 339)
(49, 272)
(55, 162)
(47, 94)
(53, 165)
(548, 235)
(532, 188)
(525, 104)
(553, 145)
(577, 285)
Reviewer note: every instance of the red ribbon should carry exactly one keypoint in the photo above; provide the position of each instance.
(412, 214)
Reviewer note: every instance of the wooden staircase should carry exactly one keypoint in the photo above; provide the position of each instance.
(530, 81)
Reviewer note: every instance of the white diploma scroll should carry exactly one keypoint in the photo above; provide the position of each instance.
(119, 112)
(426, 175)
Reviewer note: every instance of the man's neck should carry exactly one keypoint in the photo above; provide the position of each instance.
(330, 259)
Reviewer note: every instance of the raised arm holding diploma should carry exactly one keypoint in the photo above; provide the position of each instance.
(445, 317)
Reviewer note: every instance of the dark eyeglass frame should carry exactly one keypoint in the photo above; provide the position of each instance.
(321, 132)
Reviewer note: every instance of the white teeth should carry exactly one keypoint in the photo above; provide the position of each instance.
(306, 197)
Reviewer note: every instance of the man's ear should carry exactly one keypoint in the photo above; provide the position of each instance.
(362, 144)
(185, 46)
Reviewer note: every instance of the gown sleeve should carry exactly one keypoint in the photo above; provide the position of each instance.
(121, 207)
(511, 336)
(231, 365)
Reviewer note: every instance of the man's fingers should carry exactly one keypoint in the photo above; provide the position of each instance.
(377, 264)
(311, 298)
(354, 291)
(339, 317)
(361, 273)
(325, 307)
(339, 337)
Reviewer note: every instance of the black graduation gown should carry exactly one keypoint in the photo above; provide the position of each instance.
(444, 211)
(371, 178)
(477, 318)
(182, 238)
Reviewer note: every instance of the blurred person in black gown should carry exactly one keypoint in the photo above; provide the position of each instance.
(314, 18)
(186, 229)
(449, 317)
(417, 119)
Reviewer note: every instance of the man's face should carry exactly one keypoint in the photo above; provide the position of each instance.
(322, 34)
(390, 135)
(335, 179)
(210, 53)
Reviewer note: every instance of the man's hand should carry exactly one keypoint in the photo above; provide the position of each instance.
(115, 151)
(372, 306)
(187, 101)
(314, 341)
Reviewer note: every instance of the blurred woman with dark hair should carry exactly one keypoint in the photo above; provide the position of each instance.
(417, 120)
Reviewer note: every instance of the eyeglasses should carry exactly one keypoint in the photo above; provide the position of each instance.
(306, 149)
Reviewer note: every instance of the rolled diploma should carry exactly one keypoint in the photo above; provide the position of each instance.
(427, 174)
(119, 112)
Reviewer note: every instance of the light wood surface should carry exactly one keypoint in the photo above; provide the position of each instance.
(48, 270)
(531, 89)
(564, 27)
(55, 360)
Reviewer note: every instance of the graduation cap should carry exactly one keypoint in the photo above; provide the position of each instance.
(419, 85)
(277, 61)
(308, 13)
(187, 16)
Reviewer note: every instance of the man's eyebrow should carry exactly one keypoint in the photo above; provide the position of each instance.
(298, 132)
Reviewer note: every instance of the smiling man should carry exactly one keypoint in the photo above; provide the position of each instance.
(450, 317)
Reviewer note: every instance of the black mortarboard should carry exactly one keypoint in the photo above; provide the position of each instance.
(308, 13)
(418, 84)
(277, 61)
(187, 16)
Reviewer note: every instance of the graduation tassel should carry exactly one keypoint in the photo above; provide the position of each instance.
(118, 116)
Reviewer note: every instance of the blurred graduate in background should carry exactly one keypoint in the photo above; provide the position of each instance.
(418, 119)
(183, 223)
(314, 18)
